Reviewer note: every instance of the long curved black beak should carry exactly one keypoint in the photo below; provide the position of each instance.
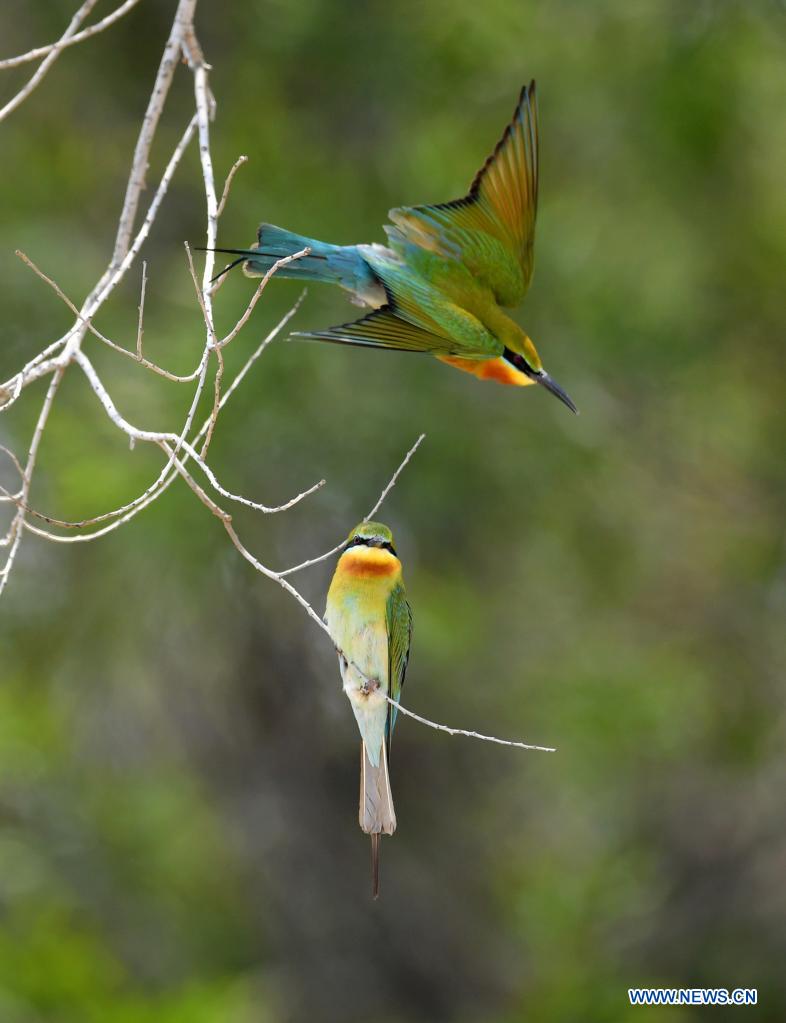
(546, 381)
(539, 377)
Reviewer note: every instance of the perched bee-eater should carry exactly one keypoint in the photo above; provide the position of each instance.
(371, 624)
(448, 270)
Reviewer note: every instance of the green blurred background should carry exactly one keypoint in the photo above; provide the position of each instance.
(178, 766)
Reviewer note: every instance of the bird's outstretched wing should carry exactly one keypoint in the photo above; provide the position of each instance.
(384, 329)
(399, 624)
(491, 230)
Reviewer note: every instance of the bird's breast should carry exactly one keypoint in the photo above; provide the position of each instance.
(499, 370)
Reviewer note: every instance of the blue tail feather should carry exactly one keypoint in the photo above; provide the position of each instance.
(333, 264)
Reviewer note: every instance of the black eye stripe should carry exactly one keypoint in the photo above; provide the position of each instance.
(370, 541)
(520, 363)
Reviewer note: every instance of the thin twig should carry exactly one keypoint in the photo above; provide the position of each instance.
(139, 326)
(52, 284)
(145, 363)
(394, 478)
(216, 401)
(15, 532)
(371, 514)
(258, 293)
(255, 355)
(42, 51)
(164, 480)
(49, 60)
(211, 330)
(136, 179)
(463, 731)
(68, 347)
(228, 183)
(177, 441)
(218, 345)
(275, 576)
(205, 110)
(17, 464)
(212, 344)
(11, 389)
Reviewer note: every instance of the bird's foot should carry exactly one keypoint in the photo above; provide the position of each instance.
(369, 686)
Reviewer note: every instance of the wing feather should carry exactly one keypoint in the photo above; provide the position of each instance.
(383, 329)
(399, 625)
(491, 230)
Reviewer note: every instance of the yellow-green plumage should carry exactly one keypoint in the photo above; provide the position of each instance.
(370, 622)
(442, 283)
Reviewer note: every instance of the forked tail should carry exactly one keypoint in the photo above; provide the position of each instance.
(376, 815)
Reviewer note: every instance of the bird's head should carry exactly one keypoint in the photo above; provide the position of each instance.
(371, 534)
(521, 353)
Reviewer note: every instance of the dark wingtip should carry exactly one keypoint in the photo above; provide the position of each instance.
(527, 94)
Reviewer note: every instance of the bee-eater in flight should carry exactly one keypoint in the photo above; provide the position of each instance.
(448, 272)
(371, 624)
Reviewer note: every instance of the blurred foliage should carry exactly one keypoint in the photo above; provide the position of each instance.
(178, 837)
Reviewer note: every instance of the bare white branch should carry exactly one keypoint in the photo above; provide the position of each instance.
(255, 355)
(140, 321)
(68, 347)
(177, 441)
(137, 356)
(258, 294)
(228, 183)
(66, 40)
(14, 534)
(371, 514)
(51, 57)
(466, 732)
(119, 516)
(184, 16)
(73, 338)
(14, 460)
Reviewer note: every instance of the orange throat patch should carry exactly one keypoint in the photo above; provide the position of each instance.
(499, 370)
(369, 562)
